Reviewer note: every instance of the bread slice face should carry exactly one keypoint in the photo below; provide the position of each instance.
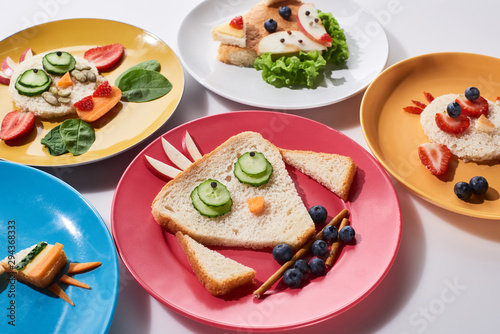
(284, 219)
(217, 273)
(335, 172)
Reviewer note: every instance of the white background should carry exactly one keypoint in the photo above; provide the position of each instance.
(446, 276)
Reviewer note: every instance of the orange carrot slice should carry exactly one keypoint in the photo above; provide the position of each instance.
(56, 289)
(256, 204)
(75, 268)
(65, 81)
(101, 105)
(70, 280)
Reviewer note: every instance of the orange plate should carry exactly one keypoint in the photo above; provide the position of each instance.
(394, 135)
(115, 133)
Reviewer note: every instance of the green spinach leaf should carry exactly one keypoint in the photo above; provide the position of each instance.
(77, 135)
(54, 142)
(140, 85)
(152, 65)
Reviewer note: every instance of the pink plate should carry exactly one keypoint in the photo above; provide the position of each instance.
(156, 261)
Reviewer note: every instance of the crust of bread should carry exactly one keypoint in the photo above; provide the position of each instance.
(335, 172)
(47, 277)
(205, 262)
(285, 219)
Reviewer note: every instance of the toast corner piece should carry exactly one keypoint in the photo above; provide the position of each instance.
(333, 171)
(217, 273)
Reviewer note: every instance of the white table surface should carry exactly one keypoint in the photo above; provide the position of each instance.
(446, 276)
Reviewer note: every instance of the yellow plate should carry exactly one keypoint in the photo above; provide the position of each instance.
(394, 135)
(132, 123)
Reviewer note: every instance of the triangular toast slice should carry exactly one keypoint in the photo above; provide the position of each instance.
(217, 273)
(284, 219)
(335, 172)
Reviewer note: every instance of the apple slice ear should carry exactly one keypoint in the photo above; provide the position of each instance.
(160, 169)
(311, 25)
(191, 147)
(175, 156)
(4, 79)
(8, 66)
(27, 54)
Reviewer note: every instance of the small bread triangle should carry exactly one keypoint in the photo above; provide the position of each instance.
(217, 273)
(335, 172)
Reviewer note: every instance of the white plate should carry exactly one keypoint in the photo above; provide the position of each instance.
(366, 38)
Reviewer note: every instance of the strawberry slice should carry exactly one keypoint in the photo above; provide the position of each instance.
(435, 157)
(105, 57)
(102, 90)
(85, 104)
(17, 123)
(474, 108)
(419, 104)
(326, 39)
(413, 110)
(237, 22)
(452, 125)
(428, 97)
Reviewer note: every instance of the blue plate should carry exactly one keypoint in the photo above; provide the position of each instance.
(36, 206)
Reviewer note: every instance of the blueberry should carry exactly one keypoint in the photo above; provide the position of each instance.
(318, 214)
(319, 248)
(285, 12)
(479, 185)
(463, 190)
(302, 266)
(271, 25)
(292, 278)
(454, 109)
(282, 253)
(472, 93)
(317, 266)
(347, 233)
(330, 233)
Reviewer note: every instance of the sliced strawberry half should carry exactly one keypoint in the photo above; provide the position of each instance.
(102, 90)
(435, 157)
(419, 104)
(105, 57)
(85, 104)
(237, 22)
(413, 110)
(474, 108)
(452, 125)
(428, 97)
(17, 123)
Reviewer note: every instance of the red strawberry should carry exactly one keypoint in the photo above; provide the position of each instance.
(237, 22)
(105, 57)
(413, 110)
(102, 90)
(85, 104)
(474, 108)
(428, 97)
(435, 157)
(419, 104)
(16, 124)
(452, 125)
(326, 39)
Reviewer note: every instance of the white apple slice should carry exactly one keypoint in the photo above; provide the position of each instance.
(287, 42)
(311, 25)
(27, 54)
(175, 156)
(8, 66)
(191, 147)
(4, 79)
(161, 169)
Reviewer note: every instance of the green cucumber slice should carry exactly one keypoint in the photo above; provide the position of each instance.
(253, 180)
(32, 91)
(209, 211)
(31, 255)
(59, 58)
(213, 193)
(58, 69)
(34, 78)
(253, 163)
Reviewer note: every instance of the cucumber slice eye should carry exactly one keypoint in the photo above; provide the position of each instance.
(206, 210)
(253, 163)
(59, 58)
(33, 82)
(253, 180)
(58, 65)
(213, 193)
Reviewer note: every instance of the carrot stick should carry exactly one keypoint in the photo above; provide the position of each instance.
(75, 268)
(70, 280)
(56, 289)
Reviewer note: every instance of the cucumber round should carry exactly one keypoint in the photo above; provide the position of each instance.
(206, 210)
(253, 163)
(58, 69)
(59, 58)
(32, 91)
(33, 78)
(213, 193)
(253, 180)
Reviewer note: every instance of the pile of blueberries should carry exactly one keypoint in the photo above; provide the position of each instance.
(477, 185)
(283, 253)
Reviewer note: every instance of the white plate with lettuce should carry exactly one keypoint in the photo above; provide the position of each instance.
(367, 45)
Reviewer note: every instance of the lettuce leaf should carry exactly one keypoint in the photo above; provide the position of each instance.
(304, 68)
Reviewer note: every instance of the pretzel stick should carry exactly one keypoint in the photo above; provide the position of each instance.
(300, 253)
(335, 245)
